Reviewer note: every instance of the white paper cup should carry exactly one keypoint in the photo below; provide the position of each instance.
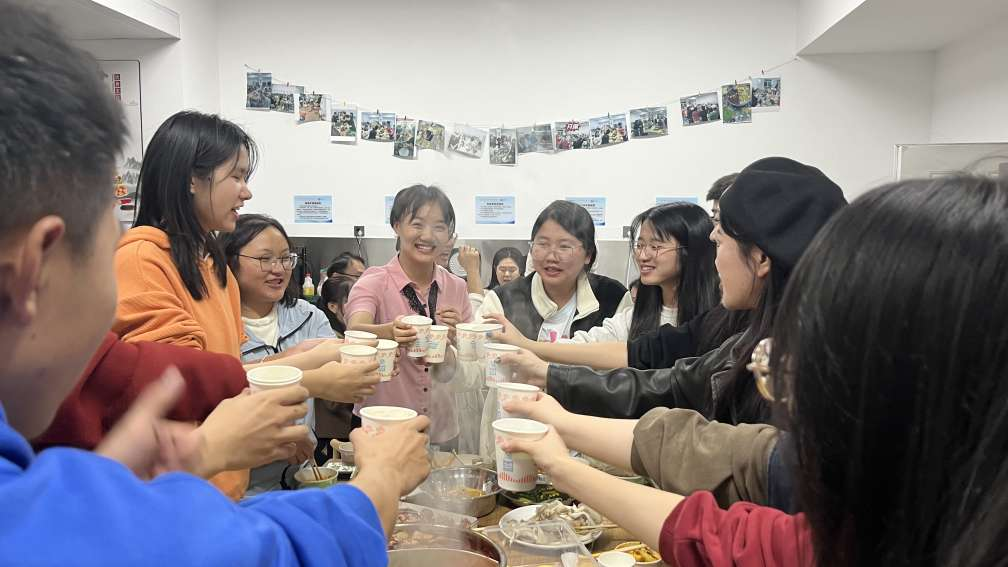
(358, 354)
(375, 419)
(386, 358)
(616, 559)
(497, 373)
(514, 391)
(488, 331)
(360, 338)
(422, 325)
(516, 472)
(437, 344)
(466, 336)
(273, 377)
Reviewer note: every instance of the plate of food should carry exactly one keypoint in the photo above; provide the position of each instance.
(520, 524)
(641, 553)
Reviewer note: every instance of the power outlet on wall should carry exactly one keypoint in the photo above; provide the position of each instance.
(358, 231)
(627, 232)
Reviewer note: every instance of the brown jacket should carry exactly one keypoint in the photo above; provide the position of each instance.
(684, 453)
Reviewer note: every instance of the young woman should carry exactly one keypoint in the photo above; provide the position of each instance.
(675, 257)
(413, 283)
(562, 296)
(899, 436)
(258, 252)
(768, 217)
(507, 266)
(678, 283)
(333, 297)
(173, 279)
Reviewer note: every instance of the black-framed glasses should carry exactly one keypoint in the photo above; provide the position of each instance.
(266, 263)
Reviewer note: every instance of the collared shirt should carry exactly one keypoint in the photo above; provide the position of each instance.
(379, 293)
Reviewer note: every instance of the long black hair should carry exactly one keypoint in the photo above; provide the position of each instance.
(698, 288)
(188, 144)
(500, 256)
(891, 349)
(738, 401)
(247, 228)
(576, 220)
(335, 289)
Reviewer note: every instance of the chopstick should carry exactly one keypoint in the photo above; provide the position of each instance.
(625, 549)
(594, 527)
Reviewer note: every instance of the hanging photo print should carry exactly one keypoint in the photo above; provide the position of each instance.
(283, 97)
(344, 125)
(258, 87)
(571, 135)
(503, 142)
(377, 126)
(766, 93)
(700, 109)
(310, 108)
(467, 141)
(608, 130)
(649, 122)
(537, 138)
(526, 140)
(430, 136)
(405, 139)
(736, 101)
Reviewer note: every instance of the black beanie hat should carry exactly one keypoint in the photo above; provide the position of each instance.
(780, 205)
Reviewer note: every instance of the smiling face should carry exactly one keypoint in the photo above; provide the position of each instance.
(217, 200)
(558, 256)
(260, 286)
(656, 267)
(423, 236)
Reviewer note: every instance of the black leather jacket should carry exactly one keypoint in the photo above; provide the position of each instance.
(627, 393)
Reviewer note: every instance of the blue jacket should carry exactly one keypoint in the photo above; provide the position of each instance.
(72, 507)
(299, 323)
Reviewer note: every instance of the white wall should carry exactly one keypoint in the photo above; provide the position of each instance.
(174, 74)
(521, 62)
(815, 17)
(969, 89)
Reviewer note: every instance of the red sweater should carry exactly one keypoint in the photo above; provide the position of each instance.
(700, 534)
(119, 371)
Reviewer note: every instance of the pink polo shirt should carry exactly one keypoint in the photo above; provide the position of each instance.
(379, 292)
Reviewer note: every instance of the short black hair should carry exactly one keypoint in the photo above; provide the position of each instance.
(60, 131)
(720, 186)
(411, 199)
(335, 290)
(576, 220)
(247, 228)
(341, 263)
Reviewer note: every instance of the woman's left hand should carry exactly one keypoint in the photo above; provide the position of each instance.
(449, 317)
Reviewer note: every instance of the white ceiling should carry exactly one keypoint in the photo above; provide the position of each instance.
(908, 25)
(87, 19)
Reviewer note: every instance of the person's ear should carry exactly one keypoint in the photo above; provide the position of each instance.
(761, 261)
(21, 268)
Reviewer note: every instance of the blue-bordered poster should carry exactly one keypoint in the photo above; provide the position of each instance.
(313, 208)
(495, 209)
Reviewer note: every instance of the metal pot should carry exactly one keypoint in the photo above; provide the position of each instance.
(436, 491)
(450, 546)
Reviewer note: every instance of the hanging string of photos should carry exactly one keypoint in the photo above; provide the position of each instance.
(349, 123)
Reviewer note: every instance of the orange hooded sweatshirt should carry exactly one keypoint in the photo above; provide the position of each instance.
(154, 305)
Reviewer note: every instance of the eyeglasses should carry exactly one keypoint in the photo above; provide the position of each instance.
(441, 231)
(563, 252)
(655, 250)
(266, 263)
(760, 367)
(507, 270)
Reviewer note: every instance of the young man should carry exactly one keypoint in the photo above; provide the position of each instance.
(58, 233)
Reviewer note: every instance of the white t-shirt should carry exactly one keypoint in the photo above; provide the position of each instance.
(617, 327)
(557, 326)
(266, 329)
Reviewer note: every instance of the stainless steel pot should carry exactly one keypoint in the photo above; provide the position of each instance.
(436, 491)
